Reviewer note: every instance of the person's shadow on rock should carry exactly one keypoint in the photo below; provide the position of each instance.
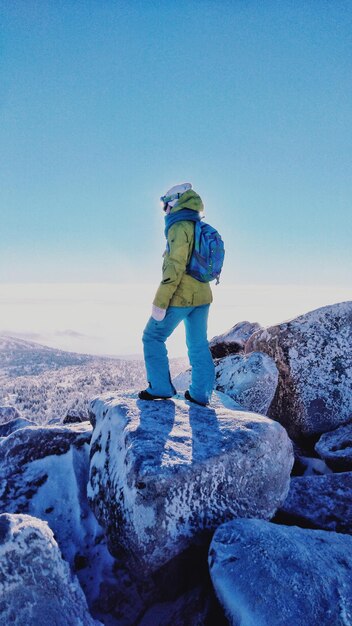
(156, 420)
(206, 434)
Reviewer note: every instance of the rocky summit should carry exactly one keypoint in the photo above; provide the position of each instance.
(313, 355)
(162, 473)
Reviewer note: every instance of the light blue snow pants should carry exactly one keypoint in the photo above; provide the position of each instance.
(155, 352)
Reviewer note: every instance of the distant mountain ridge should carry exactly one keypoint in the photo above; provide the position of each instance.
(19, 357)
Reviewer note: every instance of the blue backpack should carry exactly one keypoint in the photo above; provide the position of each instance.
(208, 254)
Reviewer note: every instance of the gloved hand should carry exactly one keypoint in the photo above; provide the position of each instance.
(158, 314)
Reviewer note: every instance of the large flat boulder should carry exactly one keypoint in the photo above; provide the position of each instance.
(36, 585)
(323, 502)
(335, 448)
(265, 574)
(233, 340)
(163, 473)
(314, 358)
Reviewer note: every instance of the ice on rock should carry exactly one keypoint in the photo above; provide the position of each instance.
(265, 574)
(164, 472)
(36, 585)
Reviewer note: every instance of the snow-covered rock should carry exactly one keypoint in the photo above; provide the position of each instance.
(335, 448)
(15, 424)
(319, 502)
(268, 574)
(36, 585)
(164, 472)
(233, 340)
(44, 473)
(249, 379)
(314, 357)
(8, 413)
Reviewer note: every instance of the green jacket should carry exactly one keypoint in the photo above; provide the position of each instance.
(178, 288)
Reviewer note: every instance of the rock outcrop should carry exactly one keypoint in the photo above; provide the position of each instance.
(314, 358)
(323, 502)
(233, 340)
(163, 473)
(36, 585)
(335, 448)
(269, 574)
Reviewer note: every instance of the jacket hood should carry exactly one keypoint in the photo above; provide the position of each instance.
(189, 200)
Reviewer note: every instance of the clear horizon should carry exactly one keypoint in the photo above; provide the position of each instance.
(108, 319)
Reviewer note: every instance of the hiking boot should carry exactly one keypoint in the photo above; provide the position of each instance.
(190, 399)
(145, 395)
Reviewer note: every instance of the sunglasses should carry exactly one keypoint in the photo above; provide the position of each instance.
(166, 199)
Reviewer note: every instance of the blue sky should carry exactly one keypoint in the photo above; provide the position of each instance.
(104, 105)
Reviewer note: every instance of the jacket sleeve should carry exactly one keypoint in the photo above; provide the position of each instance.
(174, 266)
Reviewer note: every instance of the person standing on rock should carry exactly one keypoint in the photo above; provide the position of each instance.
(180, 297)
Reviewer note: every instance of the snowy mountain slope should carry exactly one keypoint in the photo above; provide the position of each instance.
(20, 358)
(44, 383)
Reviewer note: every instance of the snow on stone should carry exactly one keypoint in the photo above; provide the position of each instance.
(314, 358)
(163, 472)
(335, 448)
(36, 585)
(249, 379)
(265, 574)
(44, 473)
(319, 502)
